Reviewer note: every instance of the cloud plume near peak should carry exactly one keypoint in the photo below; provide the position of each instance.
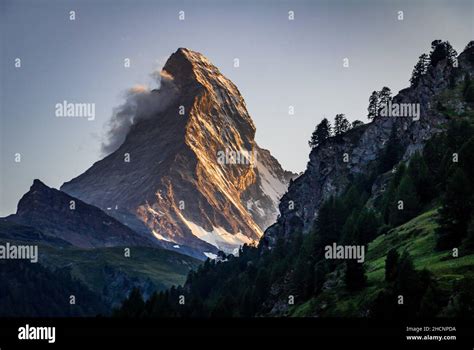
(141, 102)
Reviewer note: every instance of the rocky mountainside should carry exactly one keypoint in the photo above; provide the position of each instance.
(58, 218)
(335, 163)
(366, 190)
(195, 174)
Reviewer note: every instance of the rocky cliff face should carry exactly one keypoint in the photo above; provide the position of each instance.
(62, 218)
(195, 176)
(328, 173)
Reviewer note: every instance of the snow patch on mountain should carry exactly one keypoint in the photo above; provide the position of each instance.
(271, 185)
(160, 237)
(218, 237)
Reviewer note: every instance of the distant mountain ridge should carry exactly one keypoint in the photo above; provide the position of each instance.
(80, 245)
(60, 217)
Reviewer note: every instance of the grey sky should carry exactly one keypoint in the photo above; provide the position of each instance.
(282, 63)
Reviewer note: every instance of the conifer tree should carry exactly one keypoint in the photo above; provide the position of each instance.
(391, 153)
(406, 203)
(420, 69)
(320, 134)
(373, 105)
(391, 264)
(442, 50)
(454, 215)
(354, 277)
(341, 124)
(357, 123)
(385, 96)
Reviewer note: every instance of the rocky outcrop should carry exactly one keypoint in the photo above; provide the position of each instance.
(337, 161)
(196, 175)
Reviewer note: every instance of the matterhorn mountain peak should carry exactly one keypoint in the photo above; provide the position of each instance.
(185, 61)
(191, 173)
(192, 72)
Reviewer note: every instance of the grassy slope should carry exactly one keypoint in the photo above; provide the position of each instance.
(164, 268)
(417, 237)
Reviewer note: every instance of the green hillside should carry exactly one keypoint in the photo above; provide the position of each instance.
(107, 272)
(161, 267)
(418, 237)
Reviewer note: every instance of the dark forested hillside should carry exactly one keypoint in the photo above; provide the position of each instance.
(31, 290)
(408, 203)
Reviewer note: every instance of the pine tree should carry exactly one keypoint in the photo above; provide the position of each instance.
(391, 264)
(388, 200)
(437, 52)
(373, 105)
(349, 234)
(406, 204)
(458, 133)
(366, 227)
(330, 221)
(454, 215)
(468, 90)
(422, 180)
(468, 243)
(355, 276)
(434, 153)
(320, 134)
(341, 124)
(133, 306)
(429, 304)
(385, 96)
(407, 277)
(451, 54)
(467, 155)
(391, 153)
(420, 69)
(357, 123)
(442, 50)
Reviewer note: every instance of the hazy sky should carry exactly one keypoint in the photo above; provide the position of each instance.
(282, 63)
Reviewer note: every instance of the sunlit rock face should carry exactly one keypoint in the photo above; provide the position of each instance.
(194, 175)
